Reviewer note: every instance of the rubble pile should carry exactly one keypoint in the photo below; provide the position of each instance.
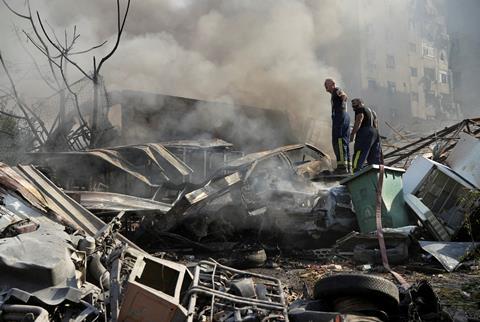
(177, 231)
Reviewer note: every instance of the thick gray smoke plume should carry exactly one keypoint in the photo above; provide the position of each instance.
(258, 53)
(268, 53)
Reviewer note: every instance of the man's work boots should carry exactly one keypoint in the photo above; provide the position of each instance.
(341, 170)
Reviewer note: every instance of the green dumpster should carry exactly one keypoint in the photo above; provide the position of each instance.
(363, 189)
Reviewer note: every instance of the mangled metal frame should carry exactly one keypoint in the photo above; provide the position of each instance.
(446, 140)
(150, 164)
(203, 156)
(206, 279)
(436, 207)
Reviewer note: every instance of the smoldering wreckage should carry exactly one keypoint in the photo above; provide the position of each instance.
(171, 231)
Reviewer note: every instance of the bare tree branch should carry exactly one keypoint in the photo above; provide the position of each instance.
(60, 49)
(119, 34)
(75, 96)
(43, 77)
(50, 59)
(45, 47)
(20, 104)
(13, 115)
(15, 12)
(87, 50)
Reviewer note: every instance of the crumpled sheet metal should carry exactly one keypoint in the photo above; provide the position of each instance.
(213, 188)
(115, 159)
(198, 144)
(257, 156)
(449, 254)
(11, 180)
(170, 168)
(159, 155)
(99, 200)
(60, 203)
(50, 197)
(464, 158)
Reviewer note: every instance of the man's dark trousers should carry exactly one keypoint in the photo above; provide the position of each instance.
(341, 139)
(366, 148)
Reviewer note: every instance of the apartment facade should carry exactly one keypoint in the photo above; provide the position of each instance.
(399, 62)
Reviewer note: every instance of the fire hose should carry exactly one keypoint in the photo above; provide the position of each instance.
(381, 241)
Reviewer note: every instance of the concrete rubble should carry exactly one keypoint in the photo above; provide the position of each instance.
(197, 231)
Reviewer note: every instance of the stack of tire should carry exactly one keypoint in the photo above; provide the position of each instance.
(350, 297)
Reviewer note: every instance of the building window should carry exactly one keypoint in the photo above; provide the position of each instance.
(390, 61)
(414, 96)
(444, 77)
(391, 87)
(413, 72)
(428, 51)
(412, 47)
(372, 84)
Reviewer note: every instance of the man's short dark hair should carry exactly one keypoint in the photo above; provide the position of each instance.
(357, 102)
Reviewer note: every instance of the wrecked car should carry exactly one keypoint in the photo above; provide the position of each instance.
(270, 194)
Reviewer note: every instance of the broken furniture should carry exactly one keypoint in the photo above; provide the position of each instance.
(363, 188)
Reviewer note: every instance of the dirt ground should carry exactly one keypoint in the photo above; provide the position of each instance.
(457, 291)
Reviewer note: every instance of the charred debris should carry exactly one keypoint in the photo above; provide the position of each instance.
(165, 231)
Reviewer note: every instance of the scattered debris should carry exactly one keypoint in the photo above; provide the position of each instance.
(449, 254)
(191, 200)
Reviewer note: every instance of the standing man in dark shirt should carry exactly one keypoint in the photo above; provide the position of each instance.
(365, 133)
(340, 126)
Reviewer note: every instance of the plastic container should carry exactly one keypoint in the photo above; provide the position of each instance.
(363, 189)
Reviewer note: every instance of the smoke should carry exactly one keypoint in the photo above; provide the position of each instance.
(464, 27)
(271, 53)
(246, 52)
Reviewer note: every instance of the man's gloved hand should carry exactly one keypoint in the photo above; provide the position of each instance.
(352, 138)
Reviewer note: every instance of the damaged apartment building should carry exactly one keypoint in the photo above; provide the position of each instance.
(403, 69)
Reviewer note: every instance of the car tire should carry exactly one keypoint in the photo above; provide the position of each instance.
(343, 285)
